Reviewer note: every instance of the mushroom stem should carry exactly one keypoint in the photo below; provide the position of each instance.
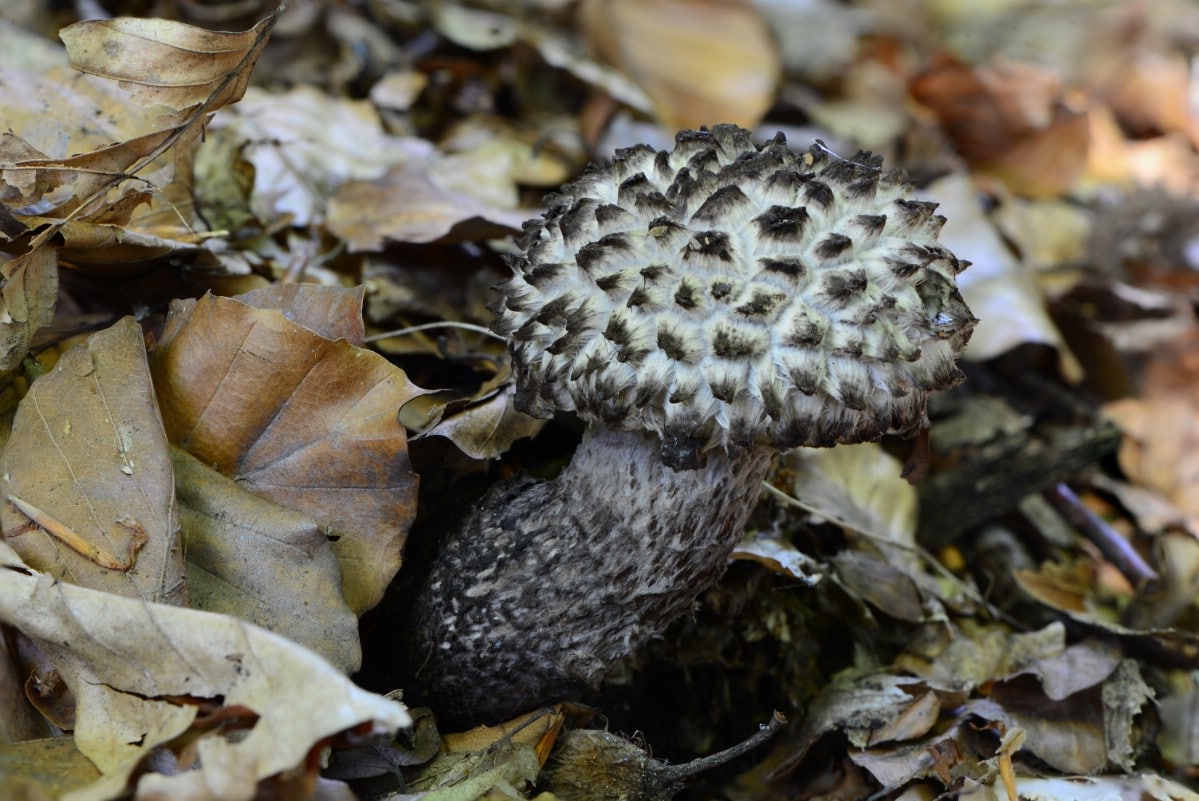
(548, 584)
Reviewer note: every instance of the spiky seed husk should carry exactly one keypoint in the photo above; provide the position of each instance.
(725, 294)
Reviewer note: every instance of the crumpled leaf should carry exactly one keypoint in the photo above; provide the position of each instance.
(87, 474)
(487, 427)
(779, 557)
(167, 63)
(1139, 787)
(871, 709)
(270, 566)
(700, 61)
(977, 653)
(133, 665)
(303, 144)
(1086, 732)
(308, 422)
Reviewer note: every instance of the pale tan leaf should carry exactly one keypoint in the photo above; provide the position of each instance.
(331, 312)
(87, 474)
(167, 63)
(270, 566)
(1000, 290)
(859, 486)
(700, 61)
(407, 205)
(47, 768)
(130, 662)
(303, 144)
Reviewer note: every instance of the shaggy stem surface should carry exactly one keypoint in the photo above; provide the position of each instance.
(548, 584)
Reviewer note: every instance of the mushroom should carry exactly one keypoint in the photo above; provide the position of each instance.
(700, 309)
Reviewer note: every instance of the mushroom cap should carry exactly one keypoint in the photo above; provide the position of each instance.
(726, 295)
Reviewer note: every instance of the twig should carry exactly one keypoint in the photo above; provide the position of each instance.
(412, 329)
(1110, 543)
(673, 773)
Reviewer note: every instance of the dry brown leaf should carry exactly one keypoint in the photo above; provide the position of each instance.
(858, 486)
(407, 205)
(308, 422)
(87, 474)
(132, 664)
(1008, 119)
(80, 179)
(167, 63)
(27, 301)
(700, 61)
(259, 562)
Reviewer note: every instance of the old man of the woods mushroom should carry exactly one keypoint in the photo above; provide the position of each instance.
(701, 310)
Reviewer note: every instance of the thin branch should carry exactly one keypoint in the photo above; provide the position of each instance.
(412, 329)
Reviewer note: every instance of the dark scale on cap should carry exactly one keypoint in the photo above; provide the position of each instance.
(842, 287)
(818, 194)
(732, 343)
(761, 303)
(806, 333)
(604, 253)
(833, 246)
(609, 216)
(673, 345)
(782, 224)
(721, 290)
(689, 295)
(793, 268)
(914, 213)
(710, 243)
(724, 203)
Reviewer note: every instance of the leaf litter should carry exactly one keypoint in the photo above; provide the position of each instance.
(204, 493)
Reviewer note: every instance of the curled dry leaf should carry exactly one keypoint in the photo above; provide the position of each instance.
(700, 61)
(487, 427)
(264, 564)
(133, 665)
(166, 63)
(308, 422)
(27, 300)
(87, 474)
(1000, 290)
